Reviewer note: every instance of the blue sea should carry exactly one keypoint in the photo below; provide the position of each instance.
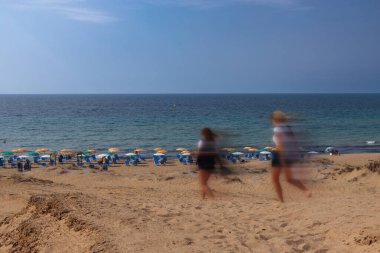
(81, 122)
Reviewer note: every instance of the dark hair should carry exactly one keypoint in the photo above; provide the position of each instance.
(207, 134)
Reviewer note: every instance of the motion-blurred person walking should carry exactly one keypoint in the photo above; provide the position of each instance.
(286, 153)
(207, 158)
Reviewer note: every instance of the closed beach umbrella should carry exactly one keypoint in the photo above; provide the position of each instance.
(114, 150)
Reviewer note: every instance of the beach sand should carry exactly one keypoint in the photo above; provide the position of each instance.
(158, 209)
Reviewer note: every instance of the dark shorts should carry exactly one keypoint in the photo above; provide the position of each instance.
(277, 161)
(206, 162)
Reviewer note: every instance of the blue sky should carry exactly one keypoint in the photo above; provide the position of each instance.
(189, 46)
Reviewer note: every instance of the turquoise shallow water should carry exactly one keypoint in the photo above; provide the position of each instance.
(170, 121)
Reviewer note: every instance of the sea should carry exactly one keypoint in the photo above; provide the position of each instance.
(81, 122)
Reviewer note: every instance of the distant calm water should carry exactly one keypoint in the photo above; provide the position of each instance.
(170, 121)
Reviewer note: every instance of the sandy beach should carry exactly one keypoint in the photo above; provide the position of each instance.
(158, 209)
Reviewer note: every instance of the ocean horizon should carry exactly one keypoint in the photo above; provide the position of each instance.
(127, 121)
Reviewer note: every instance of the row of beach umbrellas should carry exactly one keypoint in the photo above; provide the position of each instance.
(233, 151)
(23, 150)
(62, 151)
(158, 151)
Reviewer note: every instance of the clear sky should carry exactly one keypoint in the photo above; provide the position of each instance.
(189, 46)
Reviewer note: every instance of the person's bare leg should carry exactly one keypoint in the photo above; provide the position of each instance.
(204, 177)
(201, 184)
(276, 171)
(297, 183)
(208, 190)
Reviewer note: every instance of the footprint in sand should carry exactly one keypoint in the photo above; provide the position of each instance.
(260, 236)
(315, 224)
(217, 237)
(321, 251)
(366, 238)
(188, 241)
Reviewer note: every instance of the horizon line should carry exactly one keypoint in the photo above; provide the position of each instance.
(206, 93)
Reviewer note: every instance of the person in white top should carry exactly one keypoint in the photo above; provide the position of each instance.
(285, 154)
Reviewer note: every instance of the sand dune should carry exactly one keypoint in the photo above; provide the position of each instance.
(158, 209)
